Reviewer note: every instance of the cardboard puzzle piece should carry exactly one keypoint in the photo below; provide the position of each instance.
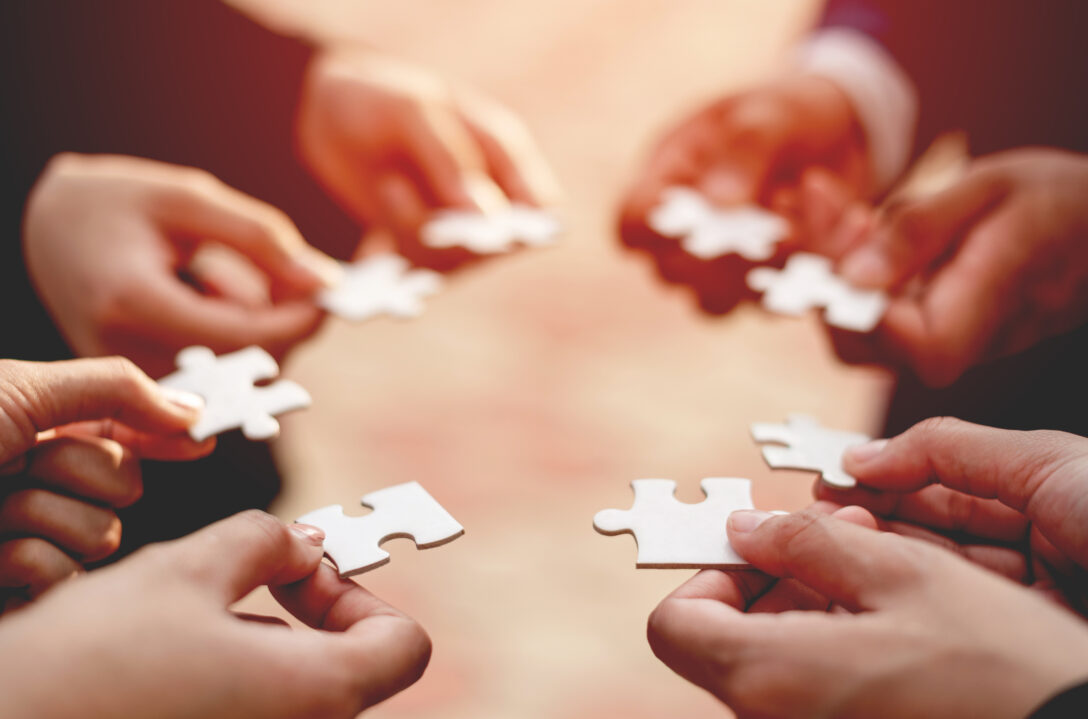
(808, 446)
(380, 284)
(708, 232)
(227, 384)
(807, 282)
(403, 510)
(486, 234)
(674, 534)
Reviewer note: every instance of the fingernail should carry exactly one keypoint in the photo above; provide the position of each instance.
(862, 453)
(325, 268)
(485, 193)
(724, 187)
(308, 532)
(866, 268)
(746, 520)
(181, 398)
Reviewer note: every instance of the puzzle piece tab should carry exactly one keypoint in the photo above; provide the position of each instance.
(708, 232)
(808, 446)
(380, 284)
(231, 399)
(403, 510)
(807, 282)
(491, 233)
(673, 534)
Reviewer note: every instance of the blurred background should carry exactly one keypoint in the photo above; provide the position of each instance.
(536, 387)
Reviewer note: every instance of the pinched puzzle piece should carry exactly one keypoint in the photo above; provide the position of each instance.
(807, 282)
(808, 446)
(231, 399)
(380, 284)
(671, 533)
(708, 231)
(491, 233)
(403, 510)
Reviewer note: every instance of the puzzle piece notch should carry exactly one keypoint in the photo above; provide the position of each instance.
(491, 233)
(401, 511)
(808, 282)
(380, 284)
(674, 534)
(232, 400)
(707, 231)
(808, 446)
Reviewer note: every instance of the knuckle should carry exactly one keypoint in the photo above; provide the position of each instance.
(24, 506)
(268, 528)
(106, 539)
(934, 427)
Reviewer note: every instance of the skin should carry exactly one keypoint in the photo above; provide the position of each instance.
(1013, 502)
(989, 267)
(758, 146)
(393, 144)
(107, 239)
(841, 620)
(151, 635)
(71, 436)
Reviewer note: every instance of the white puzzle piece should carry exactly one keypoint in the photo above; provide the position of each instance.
(487, 234)
(808, 446)
(708, 232)
(673, 534)
(231, 399)
(403, 510)
(380, 284)
(807, 282)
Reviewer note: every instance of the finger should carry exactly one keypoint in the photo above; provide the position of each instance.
(35, 564)
(939, 508)
(954, 321)
(1006, 561)
(851, 565)
(57, 393)
(236, 555)
(207, 209)
(81, 529)
(916, 233)
(92, 467)
(172, 448)
(174, 314)
(386, 650)
(449, 162)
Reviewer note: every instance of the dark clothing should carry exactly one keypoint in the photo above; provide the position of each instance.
(1011, 74)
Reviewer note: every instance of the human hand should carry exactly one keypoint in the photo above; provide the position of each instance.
(151, 634)
(751, 147)
(916, 631)
(1014, 502)
(988, 267)
(107, 236)
(393, 144)
(71, 435)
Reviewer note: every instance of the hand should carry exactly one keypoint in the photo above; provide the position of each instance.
(753, 147)
(150, 636)
(918, 632)
(394, 144)
(1014, 502)
(989, 267)
(106, 238)
(71, 434)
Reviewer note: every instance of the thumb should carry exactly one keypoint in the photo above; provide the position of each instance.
(37, 396)
(850, 564)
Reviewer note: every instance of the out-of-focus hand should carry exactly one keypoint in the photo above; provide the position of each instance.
(150, 636)
(988, 267)
(393, 144)
(916, 630)
(107, 238)
(753, 147)
(71, 434)
(1014, 502)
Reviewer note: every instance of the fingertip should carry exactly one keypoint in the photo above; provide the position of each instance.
(867, 267)
(859, 456)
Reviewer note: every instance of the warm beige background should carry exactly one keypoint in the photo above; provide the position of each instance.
(536, 387)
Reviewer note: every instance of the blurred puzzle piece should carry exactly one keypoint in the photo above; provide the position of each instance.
(491, 233)
(708, 232)
(383, 284)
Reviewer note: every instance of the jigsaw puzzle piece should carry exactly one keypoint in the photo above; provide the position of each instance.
(674, 534)
(808, 446)
(231, 399)
(403, 510)
(380, 284)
